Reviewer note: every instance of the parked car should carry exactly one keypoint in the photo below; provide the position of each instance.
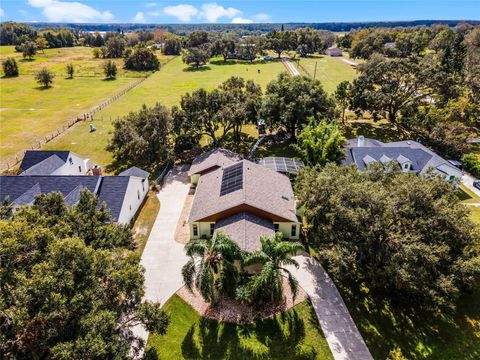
(268, 58)
(476, 183)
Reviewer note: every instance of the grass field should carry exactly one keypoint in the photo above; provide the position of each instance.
(29, 112)
(330, 70)
(418, 335)
(166, 87)
(56, 59)
(145, 220)
(293, 335)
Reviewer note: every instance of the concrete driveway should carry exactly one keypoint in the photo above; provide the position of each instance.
(163, 257)
(467, 180)
(343, 337)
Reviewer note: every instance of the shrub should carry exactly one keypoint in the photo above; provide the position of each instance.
(172, 47)
(10, 67)
(471, 164)
(44, 77)
(110, 69)
(70, 71)
(29, 49)
(96, 53)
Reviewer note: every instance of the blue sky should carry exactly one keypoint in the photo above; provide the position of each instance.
(185, 11)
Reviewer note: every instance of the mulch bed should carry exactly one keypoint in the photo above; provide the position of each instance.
(230, 310)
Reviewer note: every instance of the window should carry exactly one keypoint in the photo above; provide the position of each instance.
(406, 166)
(294, 230)
(138, 194)
(79, 168)
(276, 227)
(143, 186)
(70, 161)
(195, 230)
(212, 229)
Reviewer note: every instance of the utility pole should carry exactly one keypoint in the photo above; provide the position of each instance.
(315, 72)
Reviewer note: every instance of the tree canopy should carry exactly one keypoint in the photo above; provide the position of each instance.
(70, 288)
(403, 236)
(290, 101)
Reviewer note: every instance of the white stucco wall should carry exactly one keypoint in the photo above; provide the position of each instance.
(137, 189)
(194, 179)
(203, 229)
(75, 165)
(286, 229)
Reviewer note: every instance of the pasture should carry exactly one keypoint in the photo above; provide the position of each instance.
(330, 70)
(29, 112)
(166, 87)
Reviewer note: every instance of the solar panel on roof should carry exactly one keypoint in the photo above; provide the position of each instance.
(281, 164)
(232, 179)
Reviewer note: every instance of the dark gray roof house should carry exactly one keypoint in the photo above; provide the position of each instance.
(410, 156)
(122, 194)
(41, 162)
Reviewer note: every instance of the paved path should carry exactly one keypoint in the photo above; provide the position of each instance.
(341, 333)
(290, 67)
(350, 62)
(163, 257)
(467, 180)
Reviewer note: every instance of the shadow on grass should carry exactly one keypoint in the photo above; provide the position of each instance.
(279, 336)
(109, 79)
(380, 131)
(237, 62)
(43, 88)
(195, 69)
(26, 60)
(418, 334)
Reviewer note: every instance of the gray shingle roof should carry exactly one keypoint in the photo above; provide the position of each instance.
(112, 190)
(245, 229)
(45, 167)
(23, 189)
(33, 157)
(418, 157)
(262, 189)
(135, 171)
(212, 159)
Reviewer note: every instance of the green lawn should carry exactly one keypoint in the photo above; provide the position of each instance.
(166, 87)
(475, 215)
(29, 112)
(145, 220)
(294, 335)
(419, 336)
(330, 70)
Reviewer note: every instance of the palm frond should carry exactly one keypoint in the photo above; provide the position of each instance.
(293, 283)
(188, 273)
(196, 247)
(205, 281)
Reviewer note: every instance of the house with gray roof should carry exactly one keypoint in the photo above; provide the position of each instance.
(409, 156)
(41, 162)
(122, 194)
(244, 200)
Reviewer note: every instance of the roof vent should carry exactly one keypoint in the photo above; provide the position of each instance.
(284, 197)
(361, 141)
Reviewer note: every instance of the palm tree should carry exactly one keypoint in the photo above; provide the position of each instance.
(273, 255)
(211, 266)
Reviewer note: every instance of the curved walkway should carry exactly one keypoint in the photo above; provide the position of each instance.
(163, 257)
(343, 337)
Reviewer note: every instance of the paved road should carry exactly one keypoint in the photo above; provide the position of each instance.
(467, 180)
(163, 257)
(290, 67)
(341, 333)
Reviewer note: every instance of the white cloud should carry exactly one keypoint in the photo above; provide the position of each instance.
(23, 12)
(139, 17)
(151, 4)
(62, 11)
(182, 12)
(154, 13)
(212, 12)
(2, 13)
(240, 20)
(261, 17)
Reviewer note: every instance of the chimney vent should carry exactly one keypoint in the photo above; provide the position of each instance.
(361, 141)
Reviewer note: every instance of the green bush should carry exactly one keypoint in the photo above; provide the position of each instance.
(110, 69)
(10, 67)
(471, 164)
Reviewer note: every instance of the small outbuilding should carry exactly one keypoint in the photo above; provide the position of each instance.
(334, 51)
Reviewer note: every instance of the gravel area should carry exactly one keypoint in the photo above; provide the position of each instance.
(229, 310)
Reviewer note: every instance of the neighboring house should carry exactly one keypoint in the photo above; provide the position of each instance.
(39, 162)
(334, 51)
(123, 194)
(211, 160)
(411, 156)
(243, 200)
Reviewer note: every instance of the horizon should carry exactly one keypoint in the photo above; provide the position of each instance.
(195, 12)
